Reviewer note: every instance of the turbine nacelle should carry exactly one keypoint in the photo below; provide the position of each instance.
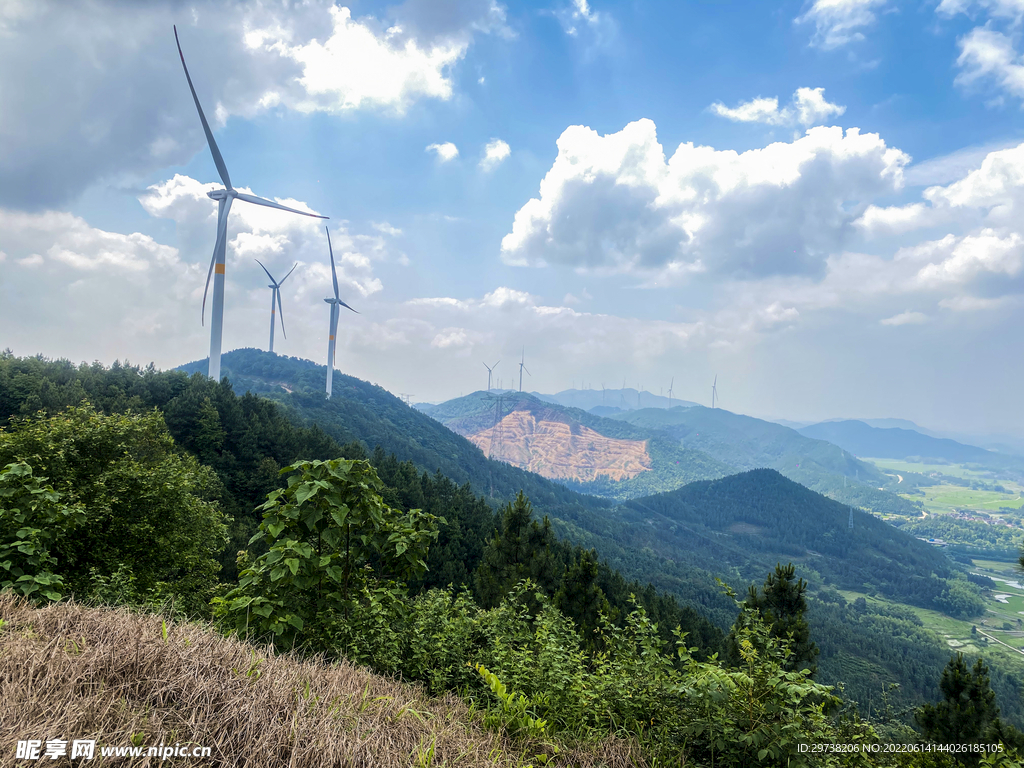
(221, 194)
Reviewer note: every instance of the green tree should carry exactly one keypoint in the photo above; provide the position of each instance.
(968, 713)
(146, 506)
(521, 549)
(32, 519)
(580, 597)
(335, 565)
(781, 605)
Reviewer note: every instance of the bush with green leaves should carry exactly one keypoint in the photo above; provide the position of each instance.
(32, 519)
(147, 507)
(337, 557)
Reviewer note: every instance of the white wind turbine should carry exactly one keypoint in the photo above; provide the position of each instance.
(335, 303)
(224, 198)
(275, 295)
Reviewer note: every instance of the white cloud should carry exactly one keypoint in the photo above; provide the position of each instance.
(906, 318)
(987, 54)
(837, 22)
(62, 134)
(614, 204)
(272, 236)
(973, 303)
(576, 14)
(808, 107)
(495, 153)
(444, 152)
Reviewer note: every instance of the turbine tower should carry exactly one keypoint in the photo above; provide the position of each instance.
(670, 392)
(522, 367)
(224, 198)
(336, 304)
(714, 391)
(490, 369)
(275, 295)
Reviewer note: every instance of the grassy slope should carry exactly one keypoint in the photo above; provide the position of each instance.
(88, 673)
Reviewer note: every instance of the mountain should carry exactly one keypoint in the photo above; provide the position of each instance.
(592, 454)
(894, 443)
(745, 442)
(623, 399)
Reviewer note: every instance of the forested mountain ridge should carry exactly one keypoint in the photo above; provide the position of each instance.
(862, 647)
(745, 442)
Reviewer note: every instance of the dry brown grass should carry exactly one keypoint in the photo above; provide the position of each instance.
(71, 672)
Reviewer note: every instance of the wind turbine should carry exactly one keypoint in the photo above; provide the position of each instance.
(335, 303)
(275, 295)
(714, 391)
(224, 198)
(670, 392)
(490, 368)
(522, 367)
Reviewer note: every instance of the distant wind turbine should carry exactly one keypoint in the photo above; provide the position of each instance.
(714, 391)
(490, 368)
(224, 198)
(522, 367)
(335, 303)
(670, 392)
(275, 295)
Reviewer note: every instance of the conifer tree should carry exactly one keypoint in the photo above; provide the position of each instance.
(521, 549)
(781, 603)
(968, 713)
(580, 598)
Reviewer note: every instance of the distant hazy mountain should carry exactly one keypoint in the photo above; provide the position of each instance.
(749, 443)
(864, 440)
(623, 399)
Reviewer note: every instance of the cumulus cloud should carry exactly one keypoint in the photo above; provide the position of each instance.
(838, 22)
(906, 318)
(127, 110)
(272, 236)
(614, 203)
(495, 154)
(808, 107)
(444, 152)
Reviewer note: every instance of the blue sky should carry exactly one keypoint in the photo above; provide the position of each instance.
(816, 201)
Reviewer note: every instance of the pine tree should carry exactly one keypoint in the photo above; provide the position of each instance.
(580, 598)
(521, 549)
(968, 713)
(781, 604)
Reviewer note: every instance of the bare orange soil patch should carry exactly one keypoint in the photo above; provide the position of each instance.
(562, 451)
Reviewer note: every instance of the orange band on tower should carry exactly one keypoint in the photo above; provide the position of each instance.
(219, 269)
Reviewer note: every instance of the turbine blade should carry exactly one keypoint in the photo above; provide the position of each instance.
(267, 271)
(217, 159)
(271, 204)
(527, 371)
(346, 306)
(280, 311)
(289, 273)
(334, 272)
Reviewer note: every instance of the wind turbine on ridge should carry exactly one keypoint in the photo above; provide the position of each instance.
(275, 294)
(490, 368)
(670, 392)
(714, 391)
(335, 303)
(522, 367)
(224, 198)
